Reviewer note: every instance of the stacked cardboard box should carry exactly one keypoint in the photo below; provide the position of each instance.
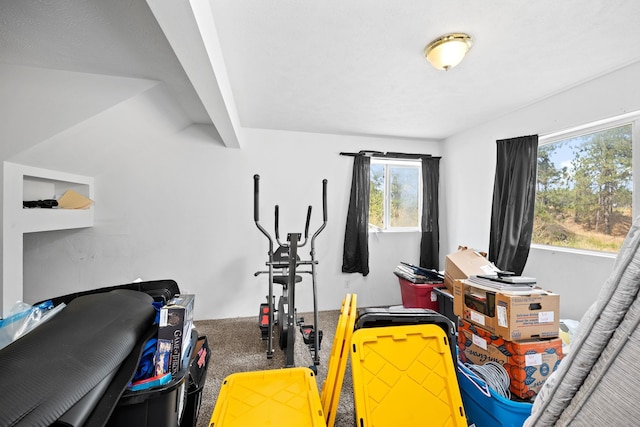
(527, 362)
(464, 263)
(520, 332)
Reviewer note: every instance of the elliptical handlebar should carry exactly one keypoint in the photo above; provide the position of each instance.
(324, 200)
(306, 227)
(256, 197)
(276, 215)
(324, 214)
(256, 214)
(256, 210)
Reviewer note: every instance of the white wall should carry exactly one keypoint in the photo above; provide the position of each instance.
(173, 203)
(468, 173)
(37, 103)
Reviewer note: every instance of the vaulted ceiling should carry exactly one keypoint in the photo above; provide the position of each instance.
(339, 67)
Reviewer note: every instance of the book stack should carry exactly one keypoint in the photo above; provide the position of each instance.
(511, 284)
(415, 274)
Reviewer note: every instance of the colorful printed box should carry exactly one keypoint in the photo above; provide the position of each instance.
(176, 321)
(528, 362)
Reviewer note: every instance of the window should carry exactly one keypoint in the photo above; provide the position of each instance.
(395, 202)
(584, 193)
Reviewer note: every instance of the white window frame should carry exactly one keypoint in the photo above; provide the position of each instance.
(632, 118)
(414, 163)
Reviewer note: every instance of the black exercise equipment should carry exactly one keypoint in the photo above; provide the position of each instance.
(286, 260)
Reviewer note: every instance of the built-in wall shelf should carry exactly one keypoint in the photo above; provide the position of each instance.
(28, 183)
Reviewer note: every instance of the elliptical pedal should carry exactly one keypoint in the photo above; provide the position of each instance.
(308, 335)
(263, 321)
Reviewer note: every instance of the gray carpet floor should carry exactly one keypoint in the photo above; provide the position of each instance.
(236, 346)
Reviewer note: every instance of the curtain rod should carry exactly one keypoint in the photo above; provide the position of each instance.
(389, 154)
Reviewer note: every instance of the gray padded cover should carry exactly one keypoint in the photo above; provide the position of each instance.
(597, 383)
(47, 371)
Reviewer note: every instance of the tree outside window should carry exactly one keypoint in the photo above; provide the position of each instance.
(395, 195)
(584, 190)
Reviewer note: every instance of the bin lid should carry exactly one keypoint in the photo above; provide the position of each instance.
(402, 374)
(338, 359)
(283, 397)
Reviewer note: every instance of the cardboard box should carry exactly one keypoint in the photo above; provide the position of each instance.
(513, 317)
(464, 263)
(174, 331)
(528, 363)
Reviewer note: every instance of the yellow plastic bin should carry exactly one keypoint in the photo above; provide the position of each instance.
(404, 376)
(280, 397)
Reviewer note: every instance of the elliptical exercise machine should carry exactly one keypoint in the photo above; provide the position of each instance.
(286, 260)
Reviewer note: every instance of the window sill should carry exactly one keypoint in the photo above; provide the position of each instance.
(398, 230)
(574, 251)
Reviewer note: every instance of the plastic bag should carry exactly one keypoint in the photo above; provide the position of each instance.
(23, 318)
(568, 331)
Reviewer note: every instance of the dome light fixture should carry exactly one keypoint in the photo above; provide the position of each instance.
(447, 51)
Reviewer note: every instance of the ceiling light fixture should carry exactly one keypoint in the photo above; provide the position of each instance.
(447, 51)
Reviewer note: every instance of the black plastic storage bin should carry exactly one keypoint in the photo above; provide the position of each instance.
(445, 304)
(197, 378)
(163, 406)
(159, 290)
(157, 407)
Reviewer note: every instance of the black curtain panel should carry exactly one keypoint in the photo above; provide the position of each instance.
(430, 241)
(355, 258)
(513, 202)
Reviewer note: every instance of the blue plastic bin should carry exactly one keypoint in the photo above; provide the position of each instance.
(485, 408)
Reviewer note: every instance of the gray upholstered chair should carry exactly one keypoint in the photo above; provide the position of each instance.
(598, 383)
